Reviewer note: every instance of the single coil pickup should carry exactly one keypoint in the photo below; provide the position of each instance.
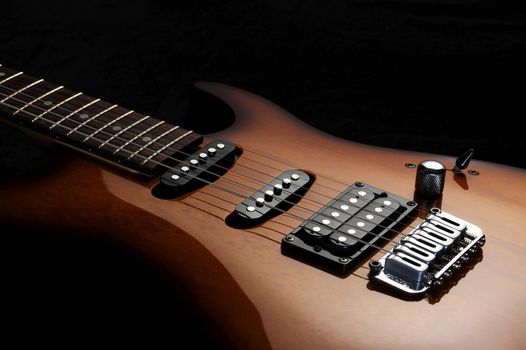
(428, 254)
(203, 166)
(279, 195)
(342, 232)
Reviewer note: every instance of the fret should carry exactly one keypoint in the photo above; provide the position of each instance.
(124, 130)
(19, 91)
(10, 77)
(149, 158)
(152, 141)
(37, 99)
(137, 136)
(123, 137)
(90, 119)
(55, 106)
(106, 125)
(74, 112)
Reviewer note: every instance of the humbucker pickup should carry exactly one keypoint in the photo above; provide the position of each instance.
(428, 254)
(339, 235)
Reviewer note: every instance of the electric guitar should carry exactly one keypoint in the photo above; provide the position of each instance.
(289, 238)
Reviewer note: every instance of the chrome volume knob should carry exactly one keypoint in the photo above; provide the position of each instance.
(430, 178)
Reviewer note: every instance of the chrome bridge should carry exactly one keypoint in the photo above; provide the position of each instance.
(428, 254)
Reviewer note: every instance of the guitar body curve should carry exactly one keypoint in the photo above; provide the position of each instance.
(258, 298)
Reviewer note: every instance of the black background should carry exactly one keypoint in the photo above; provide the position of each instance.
(438, 76)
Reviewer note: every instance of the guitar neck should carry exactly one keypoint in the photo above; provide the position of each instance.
(130, 140)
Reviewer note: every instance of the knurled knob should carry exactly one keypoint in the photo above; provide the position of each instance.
(430, 178)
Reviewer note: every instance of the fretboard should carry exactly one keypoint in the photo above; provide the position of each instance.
(106, 130)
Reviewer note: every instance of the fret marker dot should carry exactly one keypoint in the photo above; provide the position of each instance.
(116, 128)
(48, 103)
(378, 210)
(369, 216)
(344, 207)
(361, 224)
(342, 239)
(387, 202)
(335, 214)
(351, 231)
(147, 139)
(326, 221)
(83, 116)
(353, 200)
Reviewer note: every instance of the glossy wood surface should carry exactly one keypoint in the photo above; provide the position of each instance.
(258, 298)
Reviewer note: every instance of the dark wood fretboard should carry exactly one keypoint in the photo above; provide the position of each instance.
(116, 134)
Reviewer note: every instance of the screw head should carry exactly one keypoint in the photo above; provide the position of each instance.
(289, 238)
(359, 184)
(473, 172)
(343, 260)
(410, 165)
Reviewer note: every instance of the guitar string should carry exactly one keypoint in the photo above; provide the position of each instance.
(286, 201)
(231, 191)
(241, 174)
(307, 210)
(242, 165)
(339, 201)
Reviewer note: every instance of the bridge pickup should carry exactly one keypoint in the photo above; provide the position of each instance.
(203, 166)
(339, 235)
(429, 254)
(277, 196)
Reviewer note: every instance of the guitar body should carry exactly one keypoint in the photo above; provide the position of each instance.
(239, 281)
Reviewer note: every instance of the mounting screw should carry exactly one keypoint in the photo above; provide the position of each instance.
(438, 282)
(473, 172)
(429, 280)
(289, 238)
(435, 210)
(375, 267)
(359, 184)
(411, 203)
(343, 260)
(410, 165)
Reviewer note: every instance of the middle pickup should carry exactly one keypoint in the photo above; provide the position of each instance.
(279, 195)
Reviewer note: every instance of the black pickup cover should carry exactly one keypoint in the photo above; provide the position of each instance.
(338, 236)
